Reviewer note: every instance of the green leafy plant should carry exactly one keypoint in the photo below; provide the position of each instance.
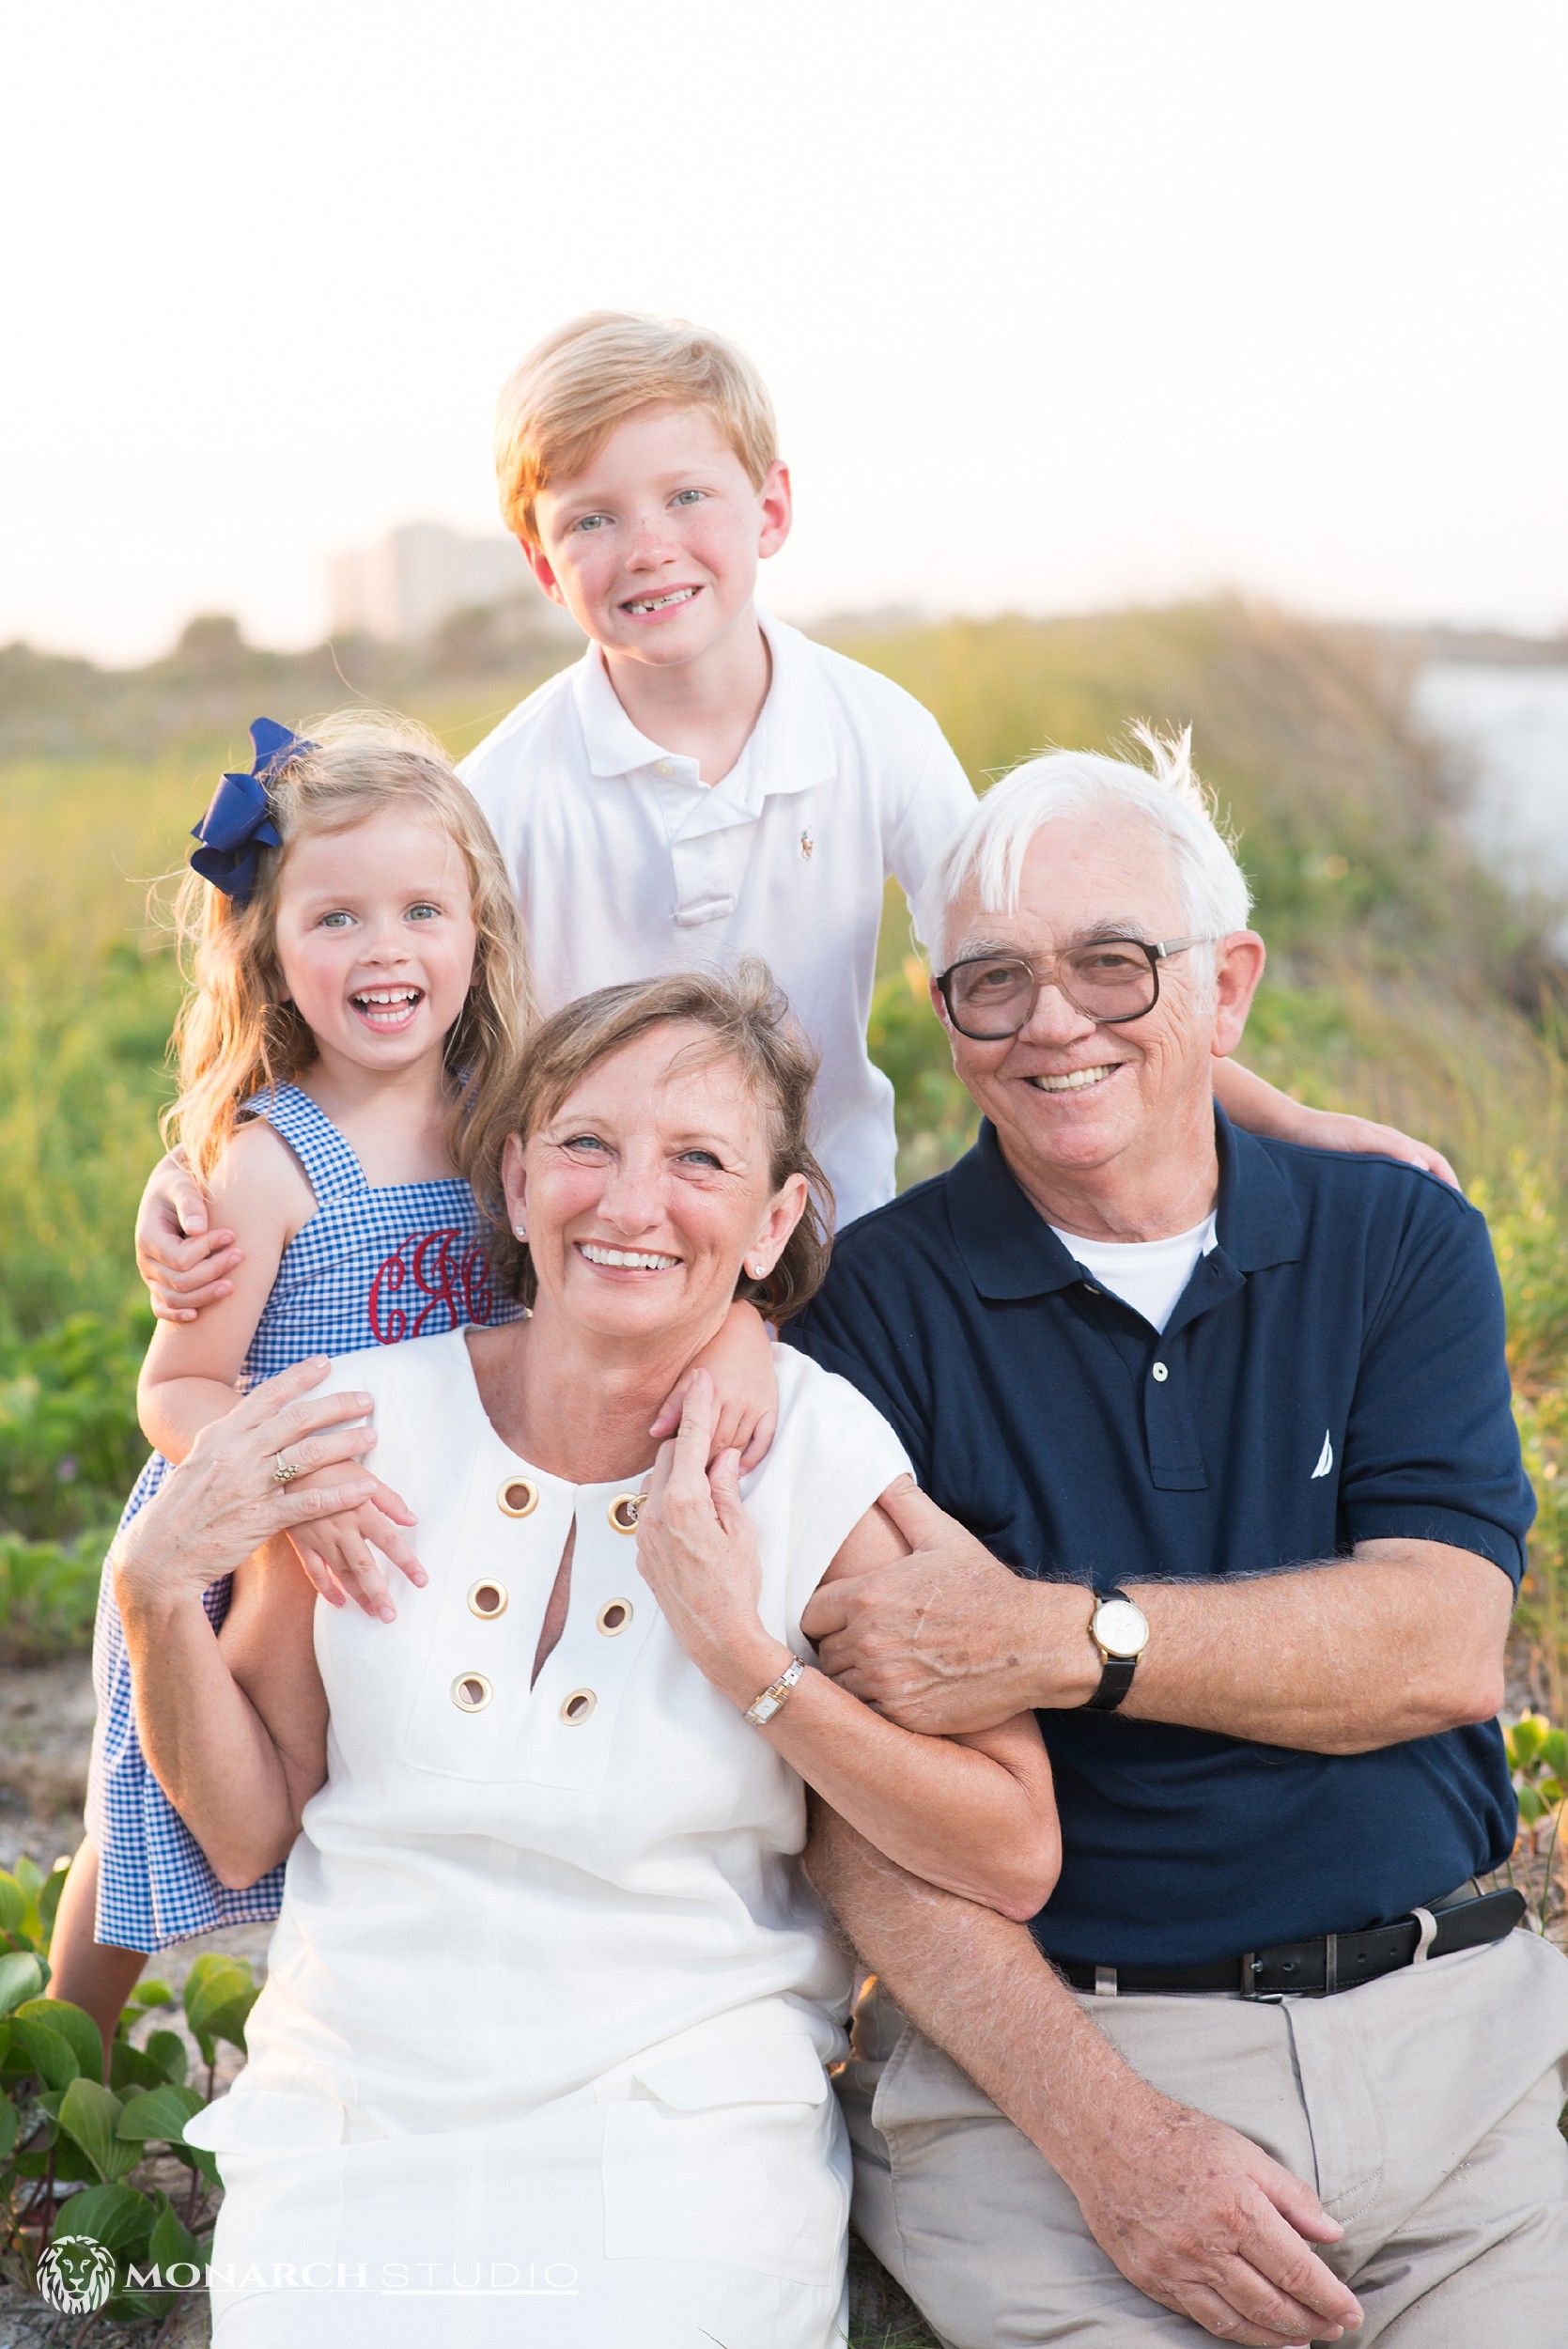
(70, 1444)
(1538, 1761)
(79, 2151)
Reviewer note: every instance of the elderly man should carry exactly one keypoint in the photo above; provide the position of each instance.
(1224, 1426)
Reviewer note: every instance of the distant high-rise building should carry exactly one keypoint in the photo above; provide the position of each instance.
(403, 588)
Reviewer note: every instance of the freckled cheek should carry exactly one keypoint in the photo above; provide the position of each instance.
(558, 1198)
(309, 974)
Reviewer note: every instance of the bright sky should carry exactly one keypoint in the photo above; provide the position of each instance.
(1060, 304)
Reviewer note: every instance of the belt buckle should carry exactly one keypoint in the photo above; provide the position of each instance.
(1251, 1967)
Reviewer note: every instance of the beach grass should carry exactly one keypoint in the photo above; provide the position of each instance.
(1403, 982)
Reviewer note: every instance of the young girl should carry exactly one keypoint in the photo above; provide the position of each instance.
(359, 994)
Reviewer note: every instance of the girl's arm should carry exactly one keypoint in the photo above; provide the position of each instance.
(1262, 1109)
(233, 1727)
(974, 1815)
(740, 1360)
(188, 1379)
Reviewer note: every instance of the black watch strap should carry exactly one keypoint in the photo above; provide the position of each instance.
(1116, 1672)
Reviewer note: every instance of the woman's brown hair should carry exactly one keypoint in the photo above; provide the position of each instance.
(748, 1021)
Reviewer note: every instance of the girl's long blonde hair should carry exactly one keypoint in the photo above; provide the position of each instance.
(236, 1036)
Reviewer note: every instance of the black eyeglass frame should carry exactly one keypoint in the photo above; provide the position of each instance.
(1158, 950)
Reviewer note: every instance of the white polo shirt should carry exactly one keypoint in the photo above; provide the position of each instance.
(628, 865)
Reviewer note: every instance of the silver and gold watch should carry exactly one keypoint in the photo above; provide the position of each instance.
(774, 1697)
(1119, 1631)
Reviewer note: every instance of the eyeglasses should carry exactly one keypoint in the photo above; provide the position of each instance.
(989, 997)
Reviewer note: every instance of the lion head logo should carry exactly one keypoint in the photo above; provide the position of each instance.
(76, 2274)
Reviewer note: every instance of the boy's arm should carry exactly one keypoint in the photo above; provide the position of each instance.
(740, 1360)
(943, 799)
(1251, 1101)
(939, 806)
(184, 1263)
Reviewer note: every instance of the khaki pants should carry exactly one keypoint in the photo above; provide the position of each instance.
(1421, 2107)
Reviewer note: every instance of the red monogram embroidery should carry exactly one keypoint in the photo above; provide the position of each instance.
(451, 1273)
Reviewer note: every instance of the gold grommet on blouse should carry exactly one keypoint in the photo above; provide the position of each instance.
(625, 1510)
(487, 1599)
(471, 1692)
(518, 1496)
(576, 1708)
(614, 1616)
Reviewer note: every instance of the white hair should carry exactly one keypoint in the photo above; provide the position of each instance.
(988, 854)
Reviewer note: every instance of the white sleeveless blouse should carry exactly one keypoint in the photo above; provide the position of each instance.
(504, 1900)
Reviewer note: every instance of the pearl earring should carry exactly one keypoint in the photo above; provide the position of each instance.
(521, 1230)
(759, 1271)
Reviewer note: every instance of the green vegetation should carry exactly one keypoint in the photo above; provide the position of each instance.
(1404, 981)
(110, 2145)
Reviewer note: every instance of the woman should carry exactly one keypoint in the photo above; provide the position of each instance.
(549, 2004)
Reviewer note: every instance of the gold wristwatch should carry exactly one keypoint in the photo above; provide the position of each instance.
(1119, 1631)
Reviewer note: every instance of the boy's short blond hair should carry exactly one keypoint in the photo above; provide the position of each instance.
(561, 405)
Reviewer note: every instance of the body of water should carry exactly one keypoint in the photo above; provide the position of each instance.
(1513, 725)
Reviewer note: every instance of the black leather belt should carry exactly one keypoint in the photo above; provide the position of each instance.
(1335, 1961)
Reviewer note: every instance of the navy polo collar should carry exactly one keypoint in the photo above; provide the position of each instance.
(1009, 1250)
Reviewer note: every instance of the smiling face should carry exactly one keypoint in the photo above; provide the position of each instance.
(653, 548)
(1097, 1122)
(374, 939)
(649, 1190)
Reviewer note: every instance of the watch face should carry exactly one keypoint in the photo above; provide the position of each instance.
(1120, 1628)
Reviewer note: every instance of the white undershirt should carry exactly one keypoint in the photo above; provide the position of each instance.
(1148, 1274)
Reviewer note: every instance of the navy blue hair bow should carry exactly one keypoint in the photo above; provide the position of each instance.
(238, 821)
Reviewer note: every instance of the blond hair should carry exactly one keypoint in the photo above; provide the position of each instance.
(748, 1021)
(557, 410)
(234, 1036)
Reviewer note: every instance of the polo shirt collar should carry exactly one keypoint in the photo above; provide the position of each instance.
(791, 748)
(1010, 1251)
(613, 744)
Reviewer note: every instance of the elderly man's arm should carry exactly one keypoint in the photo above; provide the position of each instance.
(1193, 2214)
(1403, 1640)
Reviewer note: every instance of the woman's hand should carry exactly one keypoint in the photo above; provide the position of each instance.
(740, 1360)
(225, 1502)
(338, 1559)
(184, 1264)
(697, 1552)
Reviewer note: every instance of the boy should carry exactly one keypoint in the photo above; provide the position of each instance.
(706, 782)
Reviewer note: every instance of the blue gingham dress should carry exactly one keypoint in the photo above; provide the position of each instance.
(374, 1264)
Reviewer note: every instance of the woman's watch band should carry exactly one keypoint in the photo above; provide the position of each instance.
(1120, 1632)
(762, 1709)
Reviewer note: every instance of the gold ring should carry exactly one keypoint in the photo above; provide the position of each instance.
(284, 1471)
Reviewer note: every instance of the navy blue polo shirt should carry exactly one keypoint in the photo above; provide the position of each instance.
(1333, 1373)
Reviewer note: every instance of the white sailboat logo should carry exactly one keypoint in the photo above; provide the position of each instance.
(1324, 1458)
